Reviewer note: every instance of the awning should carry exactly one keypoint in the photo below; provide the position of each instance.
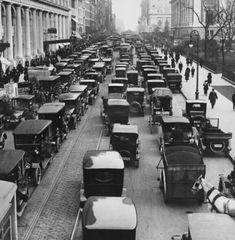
(75, 20)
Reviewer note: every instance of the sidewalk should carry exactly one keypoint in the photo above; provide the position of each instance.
(223, 108)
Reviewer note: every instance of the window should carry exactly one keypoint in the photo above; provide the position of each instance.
(72, 3)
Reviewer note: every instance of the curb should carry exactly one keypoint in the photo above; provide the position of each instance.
(229, 156)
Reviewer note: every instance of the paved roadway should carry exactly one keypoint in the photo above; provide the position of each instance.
(54, 204)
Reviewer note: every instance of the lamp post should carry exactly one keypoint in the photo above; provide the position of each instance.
(196, 34)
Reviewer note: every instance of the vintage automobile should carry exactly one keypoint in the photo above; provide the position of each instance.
(67, 60)
(208, 226)
(56, 113)
(119, 223)
(108, 64)
(117, 112)
(141, 63)
(160, 106)
(133, 77)
(125, 140)
(60, 66)
(162, 66)
(66, 80)
(155, 83)
(174, 81)
(135, 97)
(22, 109)
(92, 62)
(195, 111)
(92, 75)
(93, 88)
(175, 130)
(76, 67)
(116, 90)
(213, 139)
(51, 85)
(3, 135)
(120, 72)
(83, 89)
(167, 70)
(122, 65)
(120, 80)
(158, 61)
(182, 165)
(147, 71)
(13, 168)
(36, 139)
(154, 76)
(103, 174)
(72, 108)
(8, 210)
(100, 68)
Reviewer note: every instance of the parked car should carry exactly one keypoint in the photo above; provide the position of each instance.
(66, 80)
(120, 80)
(103, 174)
(125, 140)
(119, 223)
(120, 72)
(36, 139)
(174, 81)
(133, 77)
(93, 88)
(108, 64)
(13, 168)
(116, 90)
(135, 97)
(100, 67)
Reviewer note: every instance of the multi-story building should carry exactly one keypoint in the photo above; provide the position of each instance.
(76, 12)
(155, 14)
(25, 24)
(184, 18)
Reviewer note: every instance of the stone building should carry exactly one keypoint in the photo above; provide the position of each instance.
(184, 20)
(155, 14)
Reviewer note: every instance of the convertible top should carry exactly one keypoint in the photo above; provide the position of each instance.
(162, 92)
(68, 96)
(182, 155)
(9, 159)
(118, 102)
(132, 72)
(24, 97)
(174, 119)
(32, 127)
(135, 89)
(77, 88)
(123, 128)
(121, 213)
(192, 101)
(48, 108)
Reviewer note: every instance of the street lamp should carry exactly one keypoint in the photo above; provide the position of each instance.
(196, 34)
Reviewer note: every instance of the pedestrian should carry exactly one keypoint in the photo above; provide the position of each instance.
(201, 62)
(190, 61)
(186, 74)
(209, 78)
(180, 66)
(233, 100)
(205, 87)
(177, 57)
(192, 71)
(173, 63)
(213, 97)
(187, 61)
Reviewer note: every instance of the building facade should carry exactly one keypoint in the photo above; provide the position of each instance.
(155, 14)
(25, 24)
(184, 20)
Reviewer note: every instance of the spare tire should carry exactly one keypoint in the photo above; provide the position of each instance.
(135, 107)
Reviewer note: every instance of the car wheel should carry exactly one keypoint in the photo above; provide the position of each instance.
(37, 175)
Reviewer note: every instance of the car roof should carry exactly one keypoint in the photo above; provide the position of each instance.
(99, 65)
(132, 72)
(121, 213)
(114, 102)
(61, 64)
(77, 88)
(174, 119)
(102, 159)
(162, 92)
(87, 80)
(207, 226)
(64, 73)
(120, 68)
(192, 101)
(116, 84)
(173, 74)
(120, 78)
(155, 80)
(182, 154)
(123, 128)
(135, 89)
(91, 73)
(69, 96)
(24, 97)
(51, 108)
(32, 127)
(9, 159)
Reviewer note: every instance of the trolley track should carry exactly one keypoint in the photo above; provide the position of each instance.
(53, 206)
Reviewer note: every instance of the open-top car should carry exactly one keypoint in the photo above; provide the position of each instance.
(36, 139)
(177, 131)
(3, 135)
(13, 168)
(22, 109)
(117, 112)
(103, 174)
(182, 165)
(72, 108)
(133, 77)
(93, 88)
(135, 97)
(208, 226)
(125, 140)
(56, 113)
(119, 223)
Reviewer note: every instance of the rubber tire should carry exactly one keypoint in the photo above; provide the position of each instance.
(37, 175)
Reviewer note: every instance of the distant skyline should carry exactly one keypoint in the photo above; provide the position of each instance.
(128, 11)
